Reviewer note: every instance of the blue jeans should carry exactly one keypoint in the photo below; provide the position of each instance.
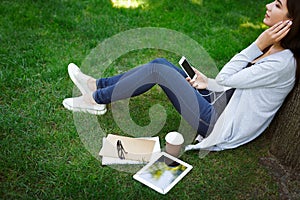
(195, 109)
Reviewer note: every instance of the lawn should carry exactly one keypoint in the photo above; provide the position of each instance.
(43, 154)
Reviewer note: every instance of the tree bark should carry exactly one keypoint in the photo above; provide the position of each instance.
(285, 131)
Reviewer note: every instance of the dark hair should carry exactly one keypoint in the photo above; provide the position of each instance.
(292, 39)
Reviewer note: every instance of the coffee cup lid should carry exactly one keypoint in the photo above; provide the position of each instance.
(174, 138)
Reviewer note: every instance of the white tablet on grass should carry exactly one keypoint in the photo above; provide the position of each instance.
(163, 172)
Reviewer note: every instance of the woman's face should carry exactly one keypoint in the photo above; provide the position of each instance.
(276, 11)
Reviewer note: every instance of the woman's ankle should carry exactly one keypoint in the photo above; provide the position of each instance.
(91, 83)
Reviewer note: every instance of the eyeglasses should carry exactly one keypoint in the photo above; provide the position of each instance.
(121, 150)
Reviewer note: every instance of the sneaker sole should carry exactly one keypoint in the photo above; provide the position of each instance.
(85, 110)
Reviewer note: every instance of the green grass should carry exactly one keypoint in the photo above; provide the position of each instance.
(42, 156)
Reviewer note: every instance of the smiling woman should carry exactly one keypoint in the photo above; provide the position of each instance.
(260, 77)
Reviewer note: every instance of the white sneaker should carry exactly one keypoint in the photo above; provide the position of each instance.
(80, 79)
(80, 104)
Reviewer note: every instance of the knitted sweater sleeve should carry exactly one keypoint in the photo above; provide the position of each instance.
(234, 74)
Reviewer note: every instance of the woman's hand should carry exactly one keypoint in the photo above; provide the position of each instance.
(200, 82)
(273, 35)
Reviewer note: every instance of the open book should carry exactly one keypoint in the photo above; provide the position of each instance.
(126, 150)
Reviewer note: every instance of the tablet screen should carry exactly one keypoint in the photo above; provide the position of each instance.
(162, 173)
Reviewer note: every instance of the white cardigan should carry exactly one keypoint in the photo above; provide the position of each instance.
(260, 91)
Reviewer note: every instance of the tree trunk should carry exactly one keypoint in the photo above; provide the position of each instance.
(285, 131)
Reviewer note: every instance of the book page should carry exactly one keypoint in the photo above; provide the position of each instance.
(135, 148)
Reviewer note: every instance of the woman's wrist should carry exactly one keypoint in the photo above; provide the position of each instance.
(260, 45)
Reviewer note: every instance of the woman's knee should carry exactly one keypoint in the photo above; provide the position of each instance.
(166, 63)
(161, 61)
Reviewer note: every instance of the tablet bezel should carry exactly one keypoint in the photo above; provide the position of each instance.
(158, 159)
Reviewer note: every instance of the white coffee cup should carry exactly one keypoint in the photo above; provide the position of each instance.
(174, 140)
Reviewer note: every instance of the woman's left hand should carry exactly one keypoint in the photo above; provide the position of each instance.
(200, 82)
